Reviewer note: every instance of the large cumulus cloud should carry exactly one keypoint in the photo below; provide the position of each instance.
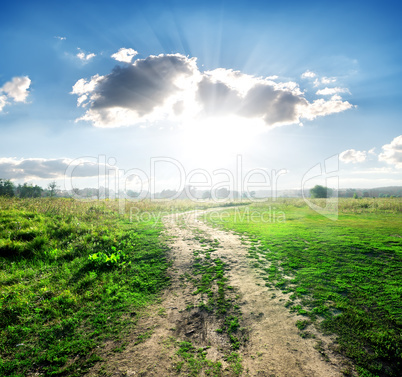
(172, 87)
(137, 92)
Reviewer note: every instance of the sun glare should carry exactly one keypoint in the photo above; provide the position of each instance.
(217, 141)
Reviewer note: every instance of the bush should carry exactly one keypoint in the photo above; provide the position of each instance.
(320, 192)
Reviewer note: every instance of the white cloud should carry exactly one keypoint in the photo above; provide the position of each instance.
(28, 168)
(328, 80)
(353, 156)
(321, 107)
(308, 75)
(382, 170)
(83, 86)
(172, 87)
(3, 102)
(147, 90)
(15, 90)
(372, 151)
(85, 57)
(332, 91)
(324, 81)
(81, 100)
(124, 55)
(60, 38)
(392, 153)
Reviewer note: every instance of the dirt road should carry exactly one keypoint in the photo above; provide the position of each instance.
(272, 347)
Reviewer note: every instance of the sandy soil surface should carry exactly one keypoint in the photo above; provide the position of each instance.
(274, 346)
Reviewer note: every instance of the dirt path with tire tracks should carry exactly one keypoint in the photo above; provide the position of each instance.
(274, 346)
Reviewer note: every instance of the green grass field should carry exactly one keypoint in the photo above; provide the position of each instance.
(345, 275)
(75, 274)
(70, 272)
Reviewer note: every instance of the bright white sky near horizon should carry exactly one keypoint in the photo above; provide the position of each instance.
(284, 85)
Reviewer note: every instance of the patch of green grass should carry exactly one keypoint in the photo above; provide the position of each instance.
(217, 298)
(142, 337)
(210, 281)
(194, 361)
(70, 272)
(234, 360)
(348, 272)
(301, 325)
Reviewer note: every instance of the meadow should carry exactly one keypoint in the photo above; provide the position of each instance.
(73, 275)
(343, 276)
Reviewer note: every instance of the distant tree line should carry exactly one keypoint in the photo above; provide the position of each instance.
(384, 192)
(381, 192)
(26, 190)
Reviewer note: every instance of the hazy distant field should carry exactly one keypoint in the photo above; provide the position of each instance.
(346, 273)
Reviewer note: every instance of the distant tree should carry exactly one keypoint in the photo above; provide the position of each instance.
(133, 194)
(94, 193)
(188, 193)
(320, 192)
(52, 188)
(355, 196)
(235, 194)
(102, 192)
(222, 193)
(248, 194)
(206, 195)
(168, 194)
(349, 193)
(29, 191)
(7, 188)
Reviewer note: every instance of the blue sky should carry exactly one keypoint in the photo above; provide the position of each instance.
(285, 85)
